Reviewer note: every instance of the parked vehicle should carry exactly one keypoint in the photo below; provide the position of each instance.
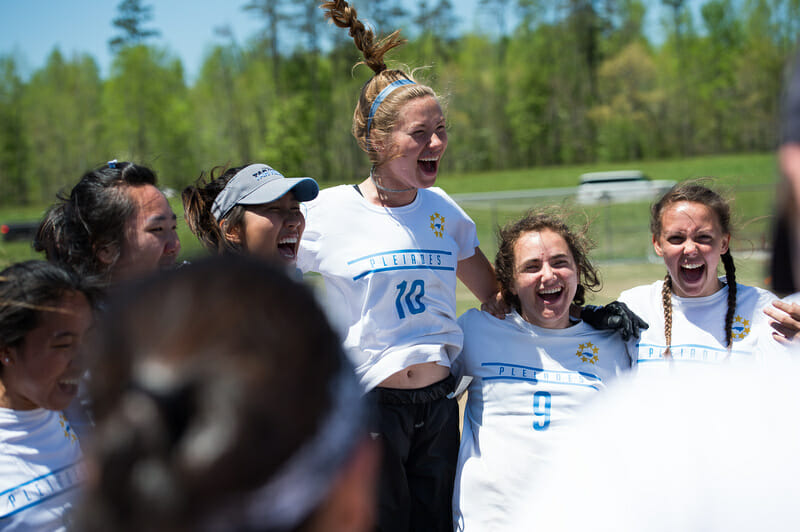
(19, 231)
(619, 186)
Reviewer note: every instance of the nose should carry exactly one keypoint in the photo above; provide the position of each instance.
(173, 245)
(689, 247)
(294, 219)
(437, 140)
(547, 272)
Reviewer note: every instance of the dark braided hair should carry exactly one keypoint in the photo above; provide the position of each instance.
(694, 192)
(730, 279)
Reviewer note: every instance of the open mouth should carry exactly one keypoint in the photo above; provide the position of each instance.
(287, 248)
(692, 273)
(429, 165)
(551, 295)
(69, 386)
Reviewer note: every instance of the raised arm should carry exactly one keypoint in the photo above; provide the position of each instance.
(477, 274)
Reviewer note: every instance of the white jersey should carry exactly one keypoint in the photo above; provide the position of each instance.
(698, 326)
(390, 276)
(40, 469)
(528, 383)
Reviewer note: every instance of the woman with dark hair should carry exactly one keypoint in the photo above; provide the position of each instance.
(45, 313)
(252, 209)
(531, 372)
(246, 419)
(114, 224)
(695, 316)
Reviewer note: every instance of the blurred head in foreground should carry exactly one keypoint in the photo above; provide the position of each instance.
(224, 402)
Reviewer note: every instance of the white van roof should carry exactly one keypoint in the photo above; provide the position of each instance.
(613, 177)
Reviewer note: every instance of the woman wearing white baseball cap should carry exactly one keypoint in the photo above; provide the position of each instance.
(252, 209)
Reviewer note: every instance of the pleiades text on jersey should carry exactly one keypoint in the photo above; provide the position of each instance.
(405, 259)
(686, 353)
(536, 375)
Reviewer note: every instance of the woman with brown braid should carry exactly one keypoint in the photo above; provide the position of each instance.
(390, 250)
(704, 319)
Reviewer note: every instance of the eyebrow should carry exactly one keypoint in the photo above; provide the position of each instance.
(161, 218)
(63, 334)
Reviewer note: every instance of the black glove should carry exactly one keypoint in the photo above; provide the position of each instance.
(616, 316)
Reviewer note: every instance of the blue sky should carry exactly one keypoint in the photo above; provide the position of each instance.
(31, 29)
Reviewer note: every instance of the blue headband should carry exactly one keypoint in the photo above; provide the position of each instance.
(382, 96)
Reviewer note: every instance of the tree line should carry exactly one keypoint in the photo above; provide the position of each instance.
(573, 81)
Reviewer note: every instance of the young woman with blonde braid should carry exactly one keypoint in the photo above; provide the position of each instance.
(694, 316)
(390, 250)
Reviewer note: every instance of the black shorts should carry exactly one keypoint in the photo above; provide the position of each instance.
(419, 432)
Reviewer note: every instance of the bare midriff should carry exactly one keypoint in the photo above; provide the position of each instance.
(416, 376)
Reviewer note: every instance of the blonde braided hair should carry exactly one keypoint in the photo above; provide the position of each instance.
(385, 118)
(666, 301)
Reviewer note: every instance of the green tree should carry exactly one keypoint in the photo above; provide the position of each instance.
(147, 114)
(133, 15)
(224, 132)
(631, 110)
(715, 57)
(13, 138)
(64, 122)
(273, 17)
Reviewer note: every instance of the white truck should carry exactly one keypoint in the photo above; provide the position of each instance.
(619, 186)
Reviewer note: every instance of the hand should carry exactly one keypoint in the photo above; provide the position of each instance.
(496, 306)
(616, 316)
(786, 321)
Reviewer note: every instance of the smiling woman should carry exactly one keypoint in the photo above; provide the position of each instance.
(252, 209)
(530, 373)
(114, 224)
(45, 313)
(696, 317)
(390, 250)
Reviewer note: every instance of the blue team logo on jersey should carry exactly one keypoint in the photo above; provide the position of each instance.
(588, 352)
(437, 224)
(741, 328)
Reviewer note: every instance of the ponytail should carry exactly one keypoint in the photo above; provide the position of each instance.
(197, 201)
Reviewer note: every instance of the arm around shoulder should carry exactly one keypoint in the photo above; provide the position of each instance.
(477, 274)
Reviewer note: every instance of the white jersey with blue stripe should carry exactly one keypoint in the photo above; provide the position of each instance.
(40, 470)
(529, 384)
(698, 326)
(390, 276)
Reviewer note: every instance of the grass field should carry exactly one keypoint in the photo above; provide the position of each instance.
(623, 251)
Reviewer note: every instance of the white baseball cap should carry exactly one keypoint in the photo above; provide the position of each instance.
(258, 183)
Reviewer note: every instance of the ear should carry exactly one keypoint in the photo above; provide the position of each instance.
(8, 356)
(108, 254)
(657, 247)
(231, 233)
(726, 240)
